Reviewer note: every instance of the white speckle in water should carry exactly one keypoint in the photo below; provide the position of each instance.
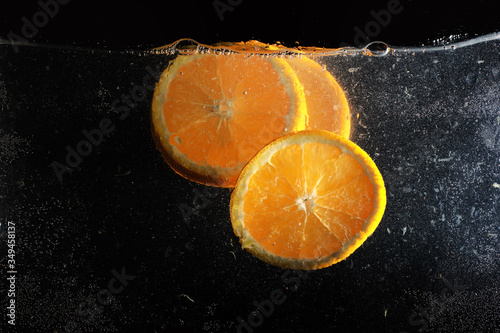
(12, 146)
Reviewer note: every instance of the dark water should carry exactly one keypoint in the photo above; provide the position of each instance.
(110, 239)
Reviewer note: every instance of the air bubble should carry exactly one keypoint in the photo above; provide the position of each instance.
(186, 46)
(376, 49)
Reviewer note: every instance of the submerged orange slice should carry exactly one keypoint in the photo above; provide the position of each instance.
(212, 113)
(327, 107)
(307, 200)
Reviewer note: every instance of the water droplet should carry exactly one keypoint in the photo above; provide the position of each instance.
(245, 92)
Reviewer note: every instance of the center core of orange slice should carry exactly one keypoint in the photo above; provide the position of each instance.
(306, 203)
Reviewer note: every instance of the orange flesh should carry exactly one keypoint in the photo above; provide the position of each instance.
(327, 197)
(327, 105)
(219, 102)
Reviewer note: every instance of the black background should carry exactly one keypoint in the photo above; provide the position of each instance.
(180, 274)
(147, 23)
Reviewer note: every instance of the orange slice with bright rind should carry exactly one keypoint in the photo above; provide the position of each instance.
(212, 113)
(307, 200)
(327, 106)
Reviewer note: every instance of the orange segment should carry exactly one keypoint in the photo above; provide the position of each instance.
(212, 113)
(307, 200)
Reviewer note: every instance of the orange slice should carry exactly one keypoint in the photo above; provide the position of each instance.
(212, 113)
(327, 106)
(307, 200)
